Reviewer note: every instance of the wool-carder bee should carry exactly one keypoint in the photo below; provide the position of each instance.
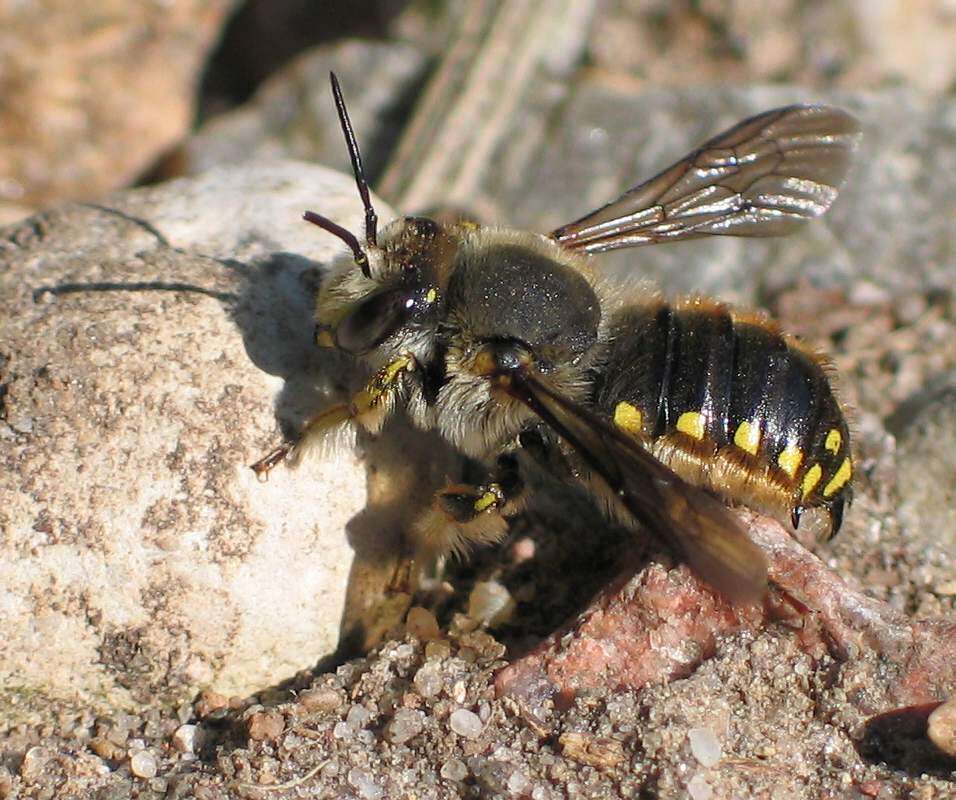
(508, 345)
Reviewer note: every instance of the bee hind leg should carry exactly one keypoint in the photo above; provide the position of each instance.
(466, 515)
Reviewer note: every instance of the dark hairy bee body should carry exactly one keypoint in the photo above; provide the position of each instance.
(729, 402)
(507, 344)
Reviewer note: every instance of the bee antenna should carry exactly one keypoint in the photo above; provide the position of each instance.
(371, 219)
(345, 235)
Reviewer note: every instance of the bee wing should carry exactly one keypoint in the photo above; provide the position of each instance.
(765, 176)
(706, 532)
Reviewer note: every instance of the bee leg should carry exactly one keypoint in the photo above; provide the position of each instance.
(464, 515)
(368, 407)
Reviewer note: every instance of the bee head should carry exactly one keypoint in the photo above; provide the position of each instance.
(394, 287)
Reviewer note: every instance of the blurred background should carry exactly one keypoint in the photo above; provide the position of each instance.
(95, 96)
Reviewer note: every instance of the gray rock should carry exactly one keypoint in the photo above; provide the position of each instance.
(809, 44)
(292, 115)
(146, 340)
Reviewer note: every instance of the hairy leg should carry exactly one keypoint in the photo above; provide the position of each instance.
(466, 515)
(368, 407)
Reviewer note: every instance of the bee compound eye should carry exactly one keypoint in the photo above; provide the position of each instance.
(374, 320)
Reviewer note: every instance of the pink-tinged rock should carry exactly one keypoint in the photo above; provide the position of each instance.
(660, 624)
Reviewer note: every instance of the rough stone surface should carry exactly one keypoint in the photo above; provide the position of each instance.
(925, 427)
(93, 93)
(145, 340)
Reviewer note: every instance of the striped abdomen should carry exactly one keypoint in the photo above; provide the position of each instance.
(729, 403)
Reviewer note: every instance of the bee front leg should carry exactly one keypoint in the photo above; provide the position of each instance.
(465, 515)
(368, 407)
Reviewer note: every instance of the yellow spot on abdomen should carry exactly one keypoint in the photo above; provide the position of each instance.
(691, 423)
(834, 440)
(811, 479)
(628, 418)
(789, 460)
(431, 296)
(747, 437)
(839, 480)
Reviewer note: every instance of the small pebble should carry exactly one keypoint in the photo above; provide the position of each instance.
(465, 723)
(143, 764)
(358, 717)
(704, 746)
(421, 623)
(518, 783)
(265, 726)
(405, 725)
(105, 749)
(484, 645)
(490, 603)
(942, 727)
(454, 770)
(945, 588)
(699, 789)
(185, 738)
(438, 649)
(364, 784)
(322, 700)
(34, 760)
(522, 550)
(209, 702)
(428, 680)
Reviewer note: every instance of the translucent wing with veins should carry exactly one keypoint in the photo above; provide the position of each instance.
(705, 532)
(763, 177)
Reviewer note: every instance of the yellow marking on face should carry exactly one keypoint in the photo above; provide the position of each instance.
(323, 338)
(747, 437)
(691, 423)
(431, 296)
(789, 460)
(628, 418)
(839, 480)
(834, 440)
(491, 498)
(811, 479)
